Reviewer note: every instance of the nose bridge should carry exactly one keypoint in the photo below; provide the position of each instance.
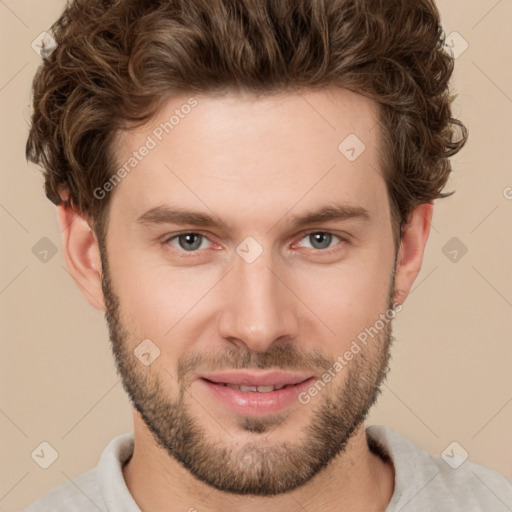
(258, 307)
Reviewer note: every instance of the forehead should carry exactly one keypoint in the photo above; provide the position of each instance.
(254, 152)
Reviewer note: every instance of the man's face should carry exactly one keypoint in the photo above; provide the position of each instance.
(257, 292)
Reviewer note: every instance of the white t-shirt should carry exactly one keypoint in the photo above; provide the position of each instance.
(423, 482)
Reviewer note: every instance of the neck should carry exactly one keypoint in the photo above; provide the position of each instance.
(357, 478)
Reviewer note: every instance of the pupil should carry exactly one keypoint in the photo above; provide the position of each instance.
(189, 237)
(323, 238)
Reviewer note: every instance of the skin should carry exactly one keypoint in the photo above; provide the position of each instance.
(254, 162)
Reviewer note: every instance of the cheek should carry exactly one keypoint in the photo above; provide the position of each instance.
(164, 304)
(347, 299)
(151, 291)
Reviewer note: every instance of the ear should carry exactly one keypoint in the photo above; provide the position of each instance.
(82, 254)
(412, 245)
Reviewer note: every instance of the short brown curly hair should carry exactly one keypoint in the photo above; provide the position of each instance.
(117, 61)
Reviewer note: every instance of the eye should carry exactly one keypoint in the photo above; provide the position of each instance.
(189, 242)
(320, 240)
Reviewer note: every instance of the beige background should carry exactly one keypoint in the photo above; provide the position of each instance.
(451, 370)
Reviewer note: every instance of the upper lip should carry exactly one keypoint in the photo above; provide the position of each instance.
(248, 378)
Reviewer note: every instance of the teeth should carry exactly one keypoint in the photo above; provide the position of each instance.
(248, 388)
(259, 389)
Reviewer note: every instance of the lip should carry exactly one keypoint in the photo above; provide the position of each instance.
(248, 378)
(254, 403)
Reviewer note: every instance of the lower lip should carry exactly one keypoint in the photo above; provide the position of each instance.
(254, 403)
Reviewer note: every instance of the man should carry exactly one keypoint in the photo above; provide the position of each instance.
(246, 189)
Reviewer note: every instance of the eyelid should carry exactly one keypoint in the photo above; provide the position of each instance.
(167, 238)
(343, 239)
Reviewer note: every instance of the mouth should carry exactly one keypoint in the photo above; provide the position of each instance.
(256, 394)
(257, 379)
(253, 389)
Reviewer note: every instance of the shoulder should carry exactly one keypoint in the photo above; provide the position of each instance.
(444, 482)
(81, 494)
(470, 485)
(93, 490)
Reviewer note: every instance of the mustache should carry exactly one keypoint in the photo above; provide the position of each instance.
(282, 356)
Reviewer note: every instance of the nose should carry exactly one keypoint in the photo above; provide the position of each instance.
(258, 308)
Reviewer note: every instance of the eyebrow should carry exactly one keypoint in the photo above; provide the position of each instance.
(167, 215)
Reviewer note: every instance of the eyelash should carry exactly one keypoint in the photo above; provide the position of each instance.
(189, 254)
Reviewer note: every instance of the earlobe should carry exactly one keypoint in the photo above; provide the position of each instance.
(412, 245)
(82, 254)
